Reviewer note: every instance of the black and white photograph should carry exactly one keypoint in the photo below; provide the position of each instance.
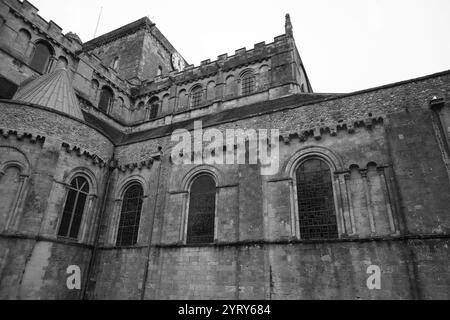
(220, 156)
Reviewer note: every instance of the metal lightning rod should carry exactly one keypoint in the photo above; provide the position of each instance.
(98, 22)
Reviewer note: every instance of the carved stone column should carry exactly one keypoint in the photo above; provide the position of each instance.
(348, 192)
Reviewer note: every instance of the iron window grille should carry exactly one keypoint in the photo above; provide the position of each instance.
(130, 216)
(77, 194)
(202, 207)
(316, 201)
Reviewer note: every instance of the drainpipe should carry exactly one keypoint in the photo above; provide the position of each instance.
(111, 168)
(147, 262)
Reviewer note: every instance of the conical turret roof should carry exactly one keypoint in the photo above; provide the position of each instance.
(53, 90)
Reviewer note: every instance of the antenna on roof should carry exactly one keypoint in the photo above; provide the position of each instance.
(98, 22)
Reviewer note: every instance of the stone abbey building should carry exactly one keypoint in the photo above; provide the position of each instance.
(87, 178)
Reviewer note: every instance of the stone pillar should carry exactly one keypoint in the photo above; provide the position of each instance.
(348, 192)
(366, 182)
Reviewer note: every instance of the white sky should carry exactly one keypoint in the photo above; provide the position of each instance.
(346, 45)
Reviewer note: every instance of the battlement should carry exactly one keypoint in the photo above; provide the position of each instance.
(207, 68)
(29, 13)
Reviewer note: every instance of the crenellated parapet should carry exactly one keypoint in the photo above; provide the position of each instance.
(224, 63)
(49, 30)
(22, 136)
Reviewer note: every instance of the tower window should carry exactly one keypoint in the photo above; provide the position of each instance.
(196, 96)
(154, 107)
(41, 57)
(106, 99)
(77, 194)
(316, 201)
(202, 207)
(130, 216)
(248, 83)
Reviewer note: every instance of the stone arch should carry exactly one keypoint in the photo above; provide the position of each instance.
(120, 193)
(14, 175)
(182, 100)
(230, 85)
(22, 42)
(86, 224)
(334, 162)
(195, 95)
(188, 181)
(247, 80)
(202, 169)
(106, 99)
(211, 91)
(154, 107)
(63, 62)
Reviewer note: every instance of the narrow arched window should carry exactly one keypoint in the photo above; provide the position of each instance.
(196, 96)
(315, 197)
(202, 208)
(160, 71)
(165, 104)
(77, 194)
(211, 91)
(41, 58)
(62, 62)
(154, 107)
(106, 99)
(130, 215)
(22, 41)
(248, 83)
(182, 103)
(230, 87)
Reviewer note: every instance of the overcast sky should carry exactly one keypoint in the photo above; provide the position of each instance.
(345, 45)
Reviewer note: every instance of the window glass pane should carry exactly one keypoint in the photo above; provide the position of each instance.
(316, 201)
(196, 97)
(130, 216)
(67, 213)
(78, 215)
(202, 206)
(74, 208)
(105, 99)
(41, 57)
(248, 84)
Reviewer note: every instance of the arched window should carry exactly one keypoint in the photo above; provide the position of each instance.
(202, 208)
(154, 107)
(264, 76)
(160, 71)
(9, 186)
(77, 194)
(165, 104)
(62, 62)
(41, 58)
(130, 215)
(230, 88)
(315, 197)
(211, 91)
(247, 83)
(22, 41)
(182, 101)
(196, 96)
(106, 99)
